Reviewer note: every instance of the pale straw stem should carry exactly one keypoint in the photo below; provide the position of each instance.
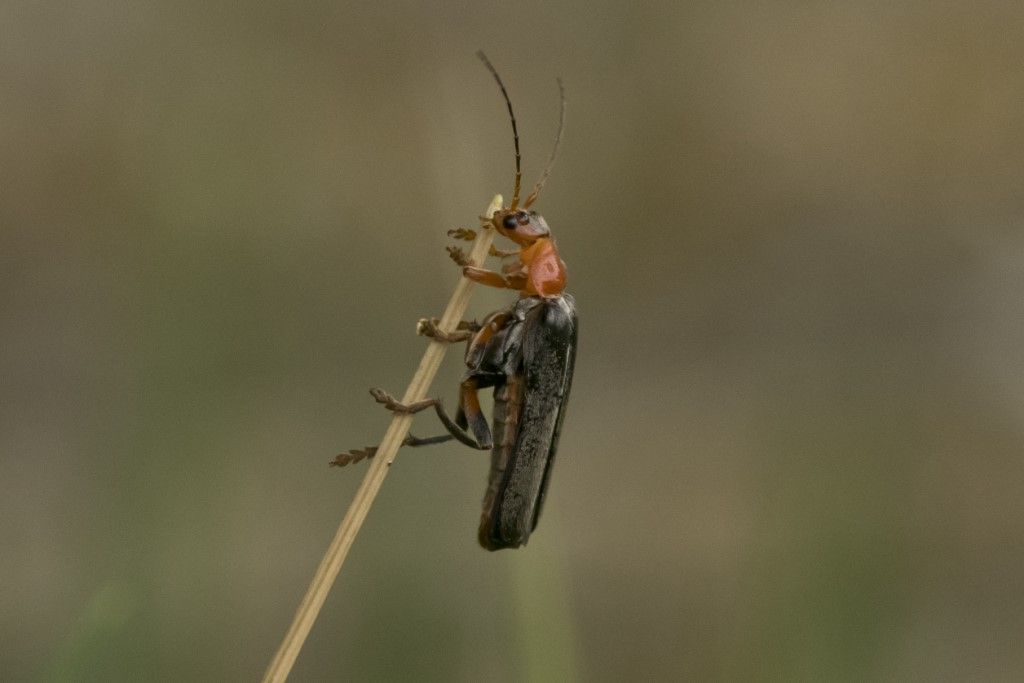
(331, 564)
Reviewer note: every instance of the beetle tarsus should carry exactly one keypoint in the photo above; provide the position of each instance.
(354, 456)
(459, 256)
(467, 234)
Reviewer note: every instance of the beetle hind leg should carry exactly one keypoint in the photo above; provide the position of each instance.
(414, 441)
(354, 456)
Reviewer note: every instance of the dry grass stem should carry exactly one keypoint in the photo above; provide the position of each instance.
(333, 559)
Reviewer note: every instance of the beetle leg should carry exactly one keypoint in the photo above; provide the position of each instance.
(490, 326)
(513, 269)
(469, 404)
(467, 234)
(460, 418)
(392, 404)
(415, 441)
(457, 431)
(457, 428)
(502, 253)
(493, 279)
(458, 255)
(354, 456)
(477, 346)
(427, 327)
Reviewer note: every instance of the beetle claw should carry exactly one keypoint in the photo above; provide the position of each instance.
(458, 255)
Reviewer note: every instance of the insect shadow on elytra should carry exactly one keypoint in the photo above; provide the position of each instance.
(526, 352)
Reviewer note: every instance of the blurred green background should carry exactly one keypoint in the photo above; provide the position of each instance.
(794, 231)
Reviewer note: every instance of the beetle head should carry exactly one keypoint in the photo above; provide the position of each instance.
(522, 227)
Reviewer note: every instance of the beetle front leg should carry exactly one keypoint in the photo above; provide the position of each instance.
(493, 279)
(467, 234)
(458, 255)
(503, 253)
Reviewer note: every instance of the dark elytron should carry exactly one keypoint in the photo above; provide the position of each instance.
(529, 362)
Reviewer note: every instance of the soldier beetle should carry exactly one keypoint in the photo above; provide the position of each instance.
(526, 352)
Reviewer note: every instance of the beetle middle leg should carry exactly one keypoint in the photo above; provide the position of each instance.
(455, 427)
(493, 279)
(428, 327)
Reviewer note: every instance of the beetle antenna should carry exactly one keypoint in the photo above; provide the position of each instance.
(554, 151)
(515, 129)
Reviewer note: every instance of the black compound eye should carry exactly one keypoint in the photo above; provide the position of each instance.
(509, 222)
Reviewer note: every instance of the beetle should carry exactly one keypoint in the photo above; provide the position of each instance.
(526, 352)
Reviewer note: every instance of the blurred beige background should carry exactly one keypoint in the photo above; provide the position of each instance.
(796, 235)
